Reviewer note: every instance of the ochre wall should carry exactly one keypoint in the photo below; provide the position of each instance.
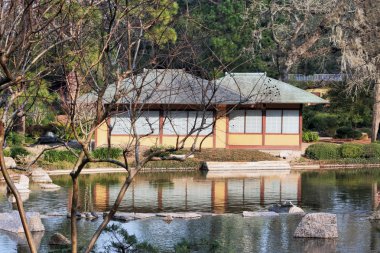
(245, 139)
(221, 138)
(282, 140)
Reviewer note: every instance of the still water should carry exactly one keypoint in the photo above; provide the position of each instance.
(352, 195)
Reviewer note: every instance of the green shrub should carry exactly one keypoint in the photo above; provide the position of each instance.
(323, 151)
(7, 152)
(17, 151)
(324, 123)
(372, 150)
(351, 150)
(308, 136)
(348, 133)
(15, 139)
(59, 155)
(104, 153)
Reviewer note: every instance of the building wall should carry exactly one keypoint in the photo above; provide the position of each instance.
(221, 137)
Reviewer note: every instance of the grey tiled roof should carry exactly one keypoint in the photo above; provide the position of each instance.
(175, 86)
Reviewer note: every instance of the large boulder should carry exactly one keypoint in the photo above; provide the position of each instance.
(10, 163)
(281, 208)
(296, 209)
(318, 225)
(11, 222)
(59, 239)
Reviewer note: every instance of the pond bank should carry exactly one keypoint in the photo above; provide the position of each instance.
(116, 170)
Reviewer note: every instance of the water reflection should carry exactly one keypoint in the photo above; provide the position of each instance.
(156, 192)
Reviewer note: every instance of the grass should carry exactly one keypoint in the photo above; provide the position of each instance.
(215, 155)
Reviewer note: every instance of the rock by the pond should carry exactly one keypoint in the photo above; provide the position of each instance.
(181, 215)
(59, 239)
(296, 209)
(317, 225)
(375, 216)
(285, 207)
(259, 214)
(10, 163)
(11, 222)
(50, 187)
(168, 218)
(22, 185)
(40, 176)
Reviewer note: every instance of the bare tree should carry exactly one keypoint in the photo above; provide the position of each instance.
(24, 25)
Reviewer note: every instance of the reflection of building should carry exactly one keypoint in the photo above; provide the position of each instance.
(200, 194)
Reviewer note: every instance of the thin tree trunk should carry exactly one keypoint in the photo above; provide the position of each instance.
(376, 111)
(74, 205)
(111, 213)
(12, 187)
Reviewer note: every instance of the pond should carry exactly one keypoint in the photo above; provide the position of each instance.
(352, 195)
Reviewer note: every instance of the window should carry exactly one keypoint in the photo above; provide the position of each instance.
(273, 121)
(182, 122)
(146, 123)
(290, 122)
(282, 121)
(245, 121)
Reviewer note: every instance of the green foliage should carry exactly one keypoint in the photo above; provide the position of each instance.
(351, 150)
(7, 152)
(203, 246)
(17, 152)
(372, 150)
(348, 133)
(15, 139)
(323, 151)
(59, 156)
(122, 242)
(308, 136)
(324, 123)
(105, 153)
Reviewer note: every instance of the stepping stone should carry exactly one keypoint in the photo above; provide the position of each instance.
(259, 214)
(40, 176)
(50, 187)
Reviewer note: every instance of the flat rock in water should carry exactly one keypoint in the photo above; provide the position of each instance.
(11, 222)
(181, 215)
(375, 216)
(259, 214)
(50, 187)
(318, 225)
(40, 176)
(10, 163)
(132, 216)
(59, 239)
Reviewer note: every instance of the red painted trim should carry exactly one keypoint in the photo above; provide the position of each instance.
(214, 130)
(161, 126)
(227, 129)
(264, 126)
(300, 126)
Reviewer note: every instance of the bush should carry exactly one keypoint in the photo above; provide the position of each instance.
(309, 136)
(59, 155)
(15, 139)
(7, 152)
(104, 153)
(323, 151)
(324, 123)
(351, 150)
(348, 133)
(17, 151)
(372, 150)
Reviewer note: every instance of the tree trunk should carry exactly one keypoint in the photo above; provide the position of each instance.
(12, 187)
(376, 110)
(74, 205)
(111, 213)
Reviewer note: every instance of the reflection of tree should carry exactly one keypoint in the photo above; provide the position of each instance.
(162, 183)
(88, 203)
